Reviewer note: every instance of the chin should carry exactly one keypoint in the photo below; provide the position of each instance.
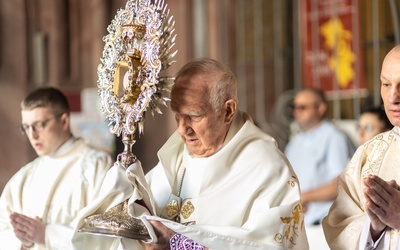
(41, 152)
(196, 154)
(395, 121)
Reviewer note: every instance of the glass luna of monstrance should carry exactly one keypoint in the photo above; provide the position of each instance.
(136, 49)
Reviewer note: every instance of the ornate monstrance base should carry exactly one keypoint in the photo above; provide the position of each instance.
(116, 222)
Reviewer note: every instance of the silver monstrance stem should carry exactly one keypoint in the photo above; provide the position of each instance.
(126, 158)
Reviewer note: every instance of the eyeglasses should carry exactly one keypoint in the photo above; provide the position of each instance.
(37, 126)
(367, 128)
(301, 107)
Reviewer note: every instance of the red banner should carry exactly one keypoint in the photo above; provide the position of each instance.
(331, 45)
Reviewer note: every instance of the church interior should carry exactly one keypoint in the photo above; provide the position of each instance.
(274, 47)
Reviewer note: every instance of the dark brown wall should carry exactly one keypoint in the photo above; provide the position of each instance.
(72, 32)
(14, 149)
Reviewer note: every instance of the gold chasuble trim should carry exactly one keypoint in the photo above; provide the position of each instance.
(293, 222)
(187, 209)
(172, 208)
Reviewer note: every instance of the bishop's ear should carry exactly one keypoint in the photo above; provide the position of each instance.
(230, 109)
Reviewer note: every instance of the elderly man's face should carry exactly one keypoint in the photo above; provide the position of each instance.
(202, 130)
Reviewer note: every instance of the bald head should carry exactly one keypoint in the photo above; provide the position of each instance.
(218, 83)
(390, 85)
(316, 94)
(396, 49)
(392, 54)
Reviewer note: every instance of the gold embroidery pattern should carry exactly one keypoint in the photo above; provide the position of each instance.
(376, 151)
(187, 210)
(371, 160)
(293, 182)
(293, 223)
(172, 208)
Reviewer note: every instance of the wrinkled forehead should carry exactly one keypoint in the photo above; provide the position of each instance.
(189, 91)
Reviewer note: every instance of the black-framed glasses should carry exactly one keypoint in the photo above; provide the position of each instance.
(37, 126)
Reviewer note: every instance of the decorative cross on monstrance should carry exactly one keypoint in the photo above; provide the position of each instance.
(138, 46)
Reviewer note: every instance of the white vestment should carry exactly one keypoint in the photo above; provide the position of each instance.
(54, 188)
(347, 224)
(248, 197)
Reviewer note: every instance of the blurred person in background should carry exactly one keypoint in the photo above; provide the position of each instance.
(318, 154)
(371, 123)
(39, 204)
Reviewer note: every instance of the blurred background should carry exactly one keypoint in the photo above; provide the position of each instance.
(273, 46)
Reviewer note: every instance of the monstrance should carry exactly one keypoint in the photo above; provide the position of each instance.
(137, 48)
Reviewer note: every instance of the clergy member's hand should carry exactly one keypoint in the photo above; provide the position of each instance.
(382, 203)
(28, 230)
(164, 234)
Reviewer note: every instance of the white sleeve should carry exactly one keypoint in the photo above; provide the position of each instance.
(8, 241)
(366, 242)
(9, 202)
(58, 236)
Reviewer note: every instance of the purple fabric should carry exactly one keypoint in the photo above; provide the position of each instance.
(180, 242)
